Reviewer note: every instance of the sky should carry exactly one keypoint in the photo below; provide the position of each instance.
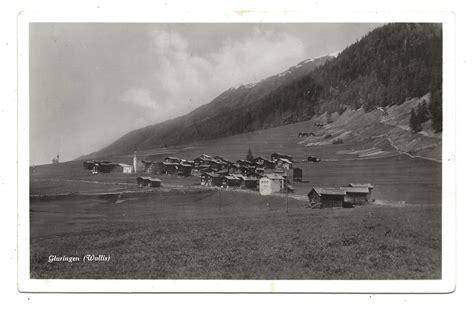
(91, 83)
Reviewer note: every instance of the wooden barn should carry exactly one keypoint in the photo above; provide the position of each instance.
(356, 195)
(203, 159)
(184, 170)
(365, 185)
(104, 167)
(154, 182)
(143, 181)
(320, 198)
(250, 183)
(89, 164)
(297, 175)
(211, 179)
(231, 181)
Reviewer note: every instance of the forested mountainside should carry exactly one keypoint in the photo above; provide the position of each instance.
(386, 67)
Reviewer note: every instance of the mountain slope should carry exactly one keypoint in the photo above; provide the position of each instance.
(227, 114)
(389, 65)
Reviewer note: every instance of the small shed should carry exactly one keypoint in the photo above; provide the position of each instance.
(356, 195)
(364, 185)
(326, 197)
(143, 181)
(250, 183)
(297, 175)
(154, 182)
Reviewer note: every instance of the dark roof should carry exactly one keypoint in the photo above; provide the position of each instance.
(211, 175)
(123, 165)
(274, 176)
(329, 191)
(367, 185)
(185, 165)
(356, 189)
(230, 177)
(170, 163)
(250, 179)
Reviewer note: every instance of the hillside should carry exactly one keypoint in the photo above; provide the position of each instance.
(388, 66)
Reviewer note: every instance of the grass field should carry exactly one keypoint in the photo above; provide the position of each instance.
(205, 234)
(186, 231)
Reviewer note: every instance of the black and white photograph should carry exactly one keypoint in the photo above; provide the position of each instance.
(238, 151)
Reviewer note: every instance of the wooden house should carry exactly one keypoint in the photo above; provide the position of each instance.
(184, 169)
(122, 168)
(104, 167)
(148, 166)
(263, 162)
(230, 181)
(326, 197)
(284, 163)
(203, 159)
(170, 168)
(211, 179)
(170, 159)
(219, 158)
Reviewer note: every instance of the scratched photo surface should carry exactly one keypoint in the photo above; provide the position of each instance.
(306, 151)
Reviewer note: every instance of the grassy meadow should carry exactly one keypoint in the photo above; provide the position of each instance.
(184, 231)
(207, 234)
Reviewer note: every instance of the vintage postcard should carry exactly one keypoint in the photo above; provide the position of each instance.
(265, 153)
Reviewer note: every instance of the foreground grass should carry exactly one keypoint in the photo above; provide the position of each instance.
(206, 235)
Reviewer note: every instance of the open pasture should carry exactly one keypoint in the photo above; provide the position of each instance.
(206, 234)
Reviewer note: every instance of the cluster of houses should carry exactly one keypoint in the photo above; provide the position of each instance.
(347, 196)
(267, 175)
(104, 166)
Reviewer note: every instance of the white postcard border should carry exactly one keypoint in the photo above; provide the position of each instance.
(444, 285)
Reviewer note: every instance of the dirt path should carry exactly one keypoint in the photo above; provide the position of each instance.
(408, 154)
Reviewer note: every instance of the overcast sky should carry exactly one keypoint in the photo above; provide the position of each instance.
(92, 83)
